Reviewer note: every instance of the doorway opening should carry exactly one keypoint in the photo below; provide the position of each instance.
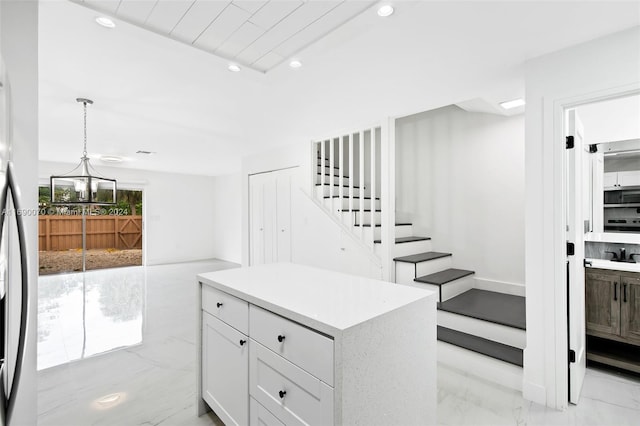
(112, 235)
(603, 279)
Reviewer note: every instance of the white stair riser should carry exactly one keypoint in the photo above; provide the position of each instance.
(336, 180)
(424, 286)
(498, 333)
(406, 272)
(400, 231)
(404, 231)
(325, 191)
(405, 249)
(365, 217)
(456, 287)
(485, 367)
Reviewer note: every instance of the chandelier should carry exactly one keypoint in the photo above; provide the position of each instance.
(83, 185)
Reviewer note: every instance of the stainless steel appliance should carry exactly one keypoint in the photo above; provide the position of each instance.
(622, 198)
(622, 219)
(14, 282)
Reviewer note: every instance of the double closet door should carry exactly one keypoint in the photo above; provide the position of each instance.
(270, 216)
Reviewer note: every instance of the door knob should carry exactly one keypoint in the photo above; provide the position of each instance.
(218, 304)
(282, 393)
(242, 342)
(280, 338)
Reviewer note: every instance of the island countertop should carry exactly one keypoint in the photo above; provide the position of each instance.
(328, 301)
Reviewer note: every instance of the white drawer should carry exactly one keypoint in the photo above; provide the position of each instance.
(260, 416)
(228, 308)
(307, 401)
(304, 347)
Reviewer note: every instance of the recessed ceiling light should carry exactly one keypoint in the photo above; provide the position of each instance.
(105, 22)
(295, 63)
(234, 68)
(386, 10)
(111, 159)
(512, 104)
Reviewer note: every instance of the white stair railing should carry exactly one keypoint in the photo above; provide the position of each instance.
(346, 176)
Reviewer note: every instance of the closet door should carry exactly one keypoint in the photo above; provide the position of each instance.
(256, 220)
(270, 217)
(283, 215)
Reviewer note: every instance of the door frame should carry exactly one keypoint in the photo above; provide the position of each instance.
(559, 344)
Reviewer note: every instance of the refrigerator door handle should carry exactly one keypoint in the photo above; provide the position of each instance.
(24, 309)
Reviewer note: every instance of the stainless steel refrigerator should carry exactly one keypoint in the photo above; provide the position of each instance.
(14, 283)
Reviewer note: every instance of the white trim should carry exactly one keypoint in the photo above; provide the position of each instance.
(556, 378)
(500, 287)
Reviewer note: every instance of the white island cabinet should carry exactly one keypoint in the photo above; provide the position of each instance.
(285, 344)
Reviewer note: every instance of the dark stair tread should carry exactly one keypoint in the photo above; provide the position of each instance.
(421, 257)
(368, 225)
(498, 308)
(401, 240)
(335, 167)
(444, 277)
(327, 174)
(481, 345)
(347, 197)
(335, 184)
(359, 210)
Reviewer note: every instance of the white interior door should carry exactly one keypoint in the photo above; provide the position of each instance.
(575, 192)
(256, 220)
(283, 215)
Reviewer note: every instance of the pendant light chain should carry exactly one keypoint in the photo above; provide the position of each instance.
(84, 152)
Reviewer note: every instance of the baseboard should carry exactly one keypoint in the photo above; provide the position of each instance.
(500, 286)
(534, 392)
(156, 262)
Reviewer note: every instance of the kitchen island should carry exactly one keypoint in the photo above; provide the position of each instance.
(290, 344)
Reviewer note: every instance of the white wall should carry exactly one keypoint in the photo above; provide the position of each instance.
(460, 181)
(611, 120)
(597, 68)
(226, 216)
(178, 209)
(19, 50)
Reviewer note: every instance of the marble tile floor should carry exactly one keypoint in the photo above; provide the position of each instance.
(152, 382)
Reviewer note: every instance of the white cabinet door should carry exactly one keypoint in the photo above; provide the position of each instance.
(225, 371)
(631, 178)
(610, 180)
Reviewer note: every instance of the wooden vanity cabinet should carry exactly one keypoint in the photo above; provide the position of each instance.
(613, 305)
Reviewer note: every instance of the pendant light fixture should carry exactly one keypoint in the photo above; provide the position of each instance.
(83, 185)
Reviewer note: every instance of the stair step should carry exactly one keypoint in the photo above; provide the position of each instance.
(421, 257)
(402, 240)
(480, 345)
(498, 308)
(443, 277)
(347, 197)
(358, 210)
(327, 174)
(368, 225)
(335, 184)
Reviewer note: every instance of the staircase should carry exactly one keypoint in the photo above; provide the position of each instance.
(480, 332)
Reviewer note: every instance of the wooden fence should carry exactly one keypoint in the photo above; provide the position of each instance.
(65, 232)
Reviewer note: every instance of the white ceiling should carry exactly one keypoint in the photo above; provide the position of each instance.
(258, 34)
(156, 94)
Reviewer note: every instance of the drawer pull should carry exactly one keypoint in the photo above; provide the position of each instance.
(282, 394)
(218, 304)
(280, 338)
(242, 342)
